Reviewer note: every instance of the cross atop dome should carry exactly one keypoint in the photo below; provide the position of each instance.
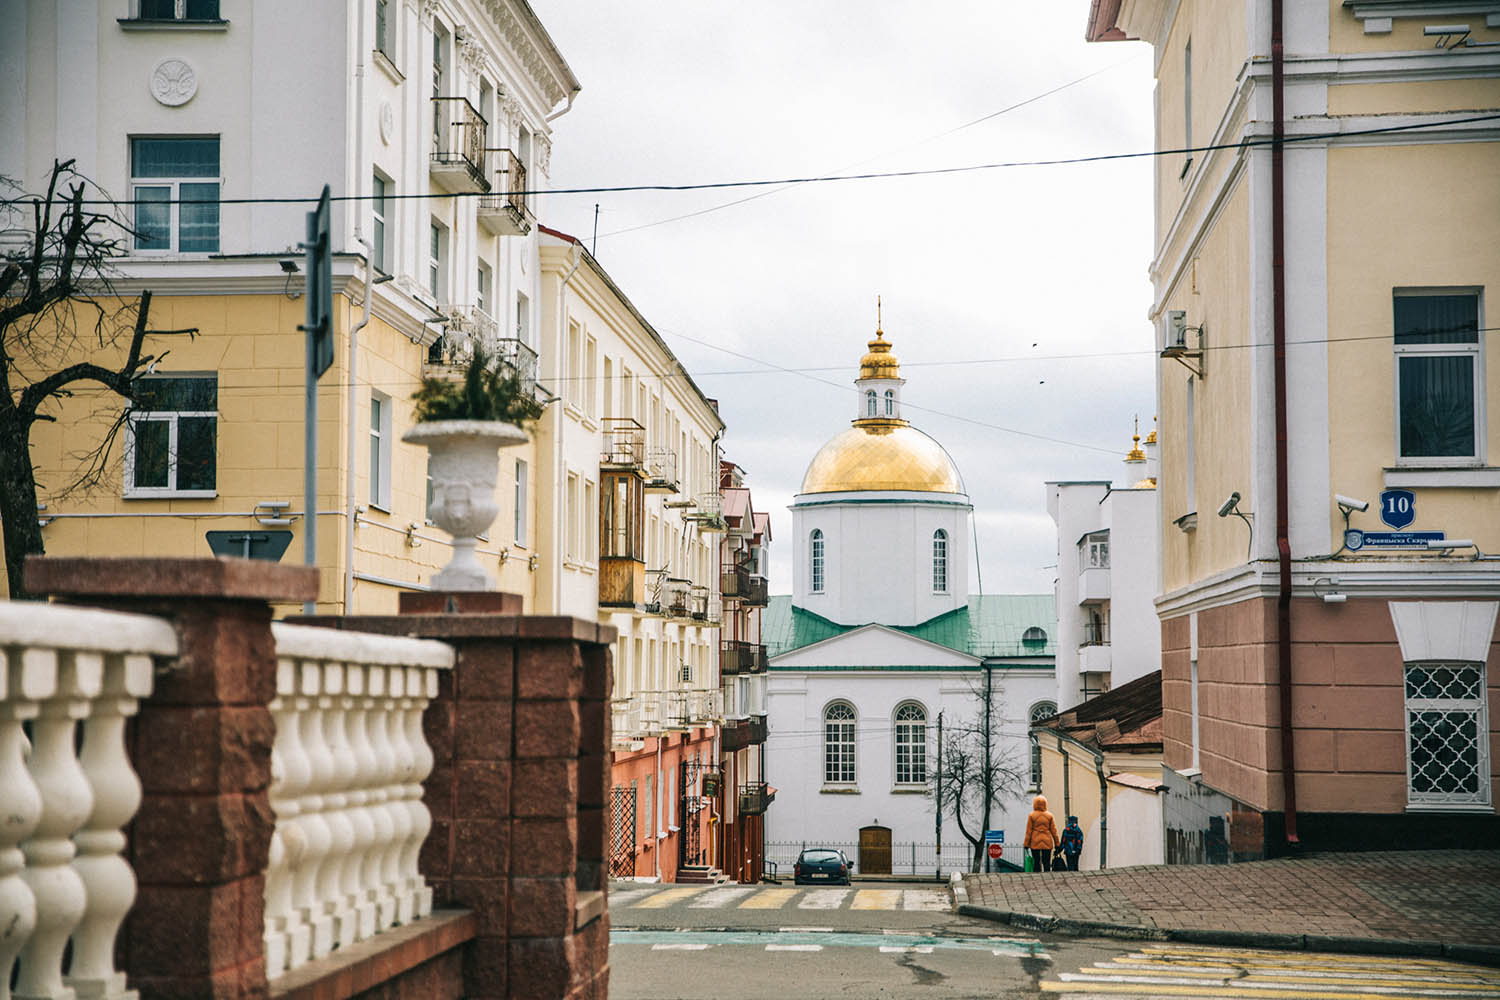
(879, 362)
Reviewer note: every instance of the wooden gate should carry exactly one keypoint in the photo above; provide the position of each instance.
(875, 850)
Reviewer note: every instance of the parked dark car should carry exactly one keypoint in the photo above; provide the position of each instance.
(821, 864)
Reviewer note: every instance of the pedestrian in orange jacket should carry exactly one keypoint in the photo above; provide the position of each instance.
(1041, 835)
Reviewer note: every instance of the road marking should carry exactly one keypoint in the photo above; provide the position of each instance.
(768, 899)
(924, 899)
(1297, 974)
(667, 897)
(822, 899)
(794, 947)
(679, 947)
(805, 930)
(876, 899)
(919, 949)
(715, 898)
(618, 899)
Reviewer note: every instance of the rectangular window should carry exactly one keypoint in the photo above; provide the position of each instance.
(384, 35)
(571, 514)
(1447, 735)
(911, 746)
(171, 439)
(482, 288)
(590, 366)
(838, 745)
(1191, 441)
(940, 562)
(437, 262)
(573, 391)
(1439, 372)
(175, 185)
(378, 191)
(520, 502)
(380, 450)
(1187, 104)
(1093, 551)
(177, 10)
(609, 388)
(590, 524)
(523, 319)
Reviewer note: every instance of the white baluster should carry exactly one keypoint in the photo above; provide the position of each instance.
(109, 881)
(391, 873)
(66, 804)
(381, 808)
(352, 885)
(20, 811)
(421, 687)
(315, 826)
(336, 806)
(287, 937)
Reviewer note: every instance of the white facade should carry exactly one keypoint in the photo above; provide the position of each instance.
(1108, 574)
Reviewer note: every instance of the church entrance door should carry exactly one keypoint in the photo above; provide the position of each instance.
(875, 850)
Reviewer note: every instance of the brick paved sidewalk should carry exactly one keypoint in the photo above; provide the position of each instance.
(1448, 896)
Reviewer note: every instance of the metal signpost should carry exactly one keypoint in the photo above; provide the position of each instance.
(319, 330)
(994, 846)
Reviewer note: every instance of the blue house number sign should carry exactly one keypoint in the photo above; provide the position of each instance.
(1398, 508)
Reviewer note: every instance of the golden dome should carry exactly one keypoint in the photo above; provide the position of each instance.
(882, 458)
(879, 362)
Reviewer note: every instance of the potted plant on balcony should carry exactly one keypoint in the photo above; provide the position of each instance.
(463, 425)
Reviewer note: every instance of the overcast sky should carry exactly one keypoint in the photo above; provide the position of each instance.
(1020, 264)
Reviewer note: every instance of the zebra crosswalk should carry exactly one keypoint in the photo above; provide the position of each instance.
(739, 897)
(1208, 972)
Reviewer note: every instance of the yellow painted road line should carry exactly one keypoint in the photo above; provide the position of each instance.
(1270, 964)
(1203, 990)
(822, 899)
(1465, 980)
(876, 899)
(716, 898)
(618, 900)
(668, 897)
(924, 899)
(1196, 951)
(768, 899)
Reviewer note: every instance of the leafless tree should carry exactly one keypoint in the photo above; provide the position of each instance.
(977, 766)
(62, 323)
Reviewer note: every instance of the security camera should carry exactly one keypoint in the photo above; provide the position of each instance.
(1228, 506)
(1349, 503)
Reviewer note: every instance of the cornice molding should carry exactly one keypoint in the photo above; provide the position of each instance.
(543, 70)
(1437, 578)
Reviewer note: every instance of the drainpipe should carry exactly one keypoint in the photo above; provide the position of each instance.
(656, 841)
(1103, 812)
(1283, 539)
(352, 402)
(559, 475)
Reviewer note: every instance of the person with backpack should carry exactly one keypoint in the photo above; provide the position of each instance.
(1072, 843)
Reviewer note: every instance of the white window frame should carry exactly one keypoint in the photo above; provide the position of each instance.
(872, 404)
(171, 418)
(890, 402)
(1474, 350)
(380, 246)
(521, 502)
(817, 556)
(915, 743)
(1039, 711)
(573, 366)
(940, 561)
(484, 283)
(389, 48)
(438, 253)
(590, 366)
(571, 533)
(179, 13)
(1093, 550)
(839, 772)
(380, 451)
(590, 517)
(174, 198)
(1478, 707)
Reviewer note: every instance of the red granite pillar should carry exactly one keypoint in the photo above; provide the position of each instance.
(202, 748)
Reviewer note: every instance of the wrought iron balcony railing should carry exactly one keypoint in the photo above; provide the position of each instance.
(505, 211)
(755, 796)
(624, 443)
(458, 136)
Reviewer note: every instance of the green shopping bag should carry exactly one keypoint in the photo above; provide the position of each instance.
(1029, 863)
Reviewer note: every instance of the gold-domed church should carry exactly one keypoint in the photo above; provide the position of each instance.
(881, 633)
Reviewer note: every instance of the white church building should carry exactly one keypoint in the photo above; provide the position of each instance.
(880, 635)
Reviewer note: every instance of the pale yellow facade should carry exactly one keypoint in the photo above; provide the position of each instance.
(1133, 833)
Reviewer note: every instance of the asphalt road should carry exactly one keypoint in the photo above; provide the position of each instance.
(892, 940)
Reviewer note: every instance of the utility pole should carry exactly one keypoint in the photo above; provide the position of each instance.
(319, 329)
(987, 782)
(938, 819)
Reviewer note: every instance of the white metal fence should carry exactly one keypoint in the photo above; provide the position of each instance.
(62, 878)
(346, 786)
(907, 858)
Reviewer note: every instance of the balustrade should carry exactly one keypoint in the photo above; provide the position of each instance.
(62, 877)
(346, 785)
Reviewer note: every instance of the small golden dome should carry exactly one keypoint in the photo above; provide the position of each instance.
(1151, 438)
(880, 362)
(882, 458)
(1136, 454)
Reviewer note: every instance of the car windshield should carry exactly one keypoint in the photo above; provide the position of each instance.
(820, 856)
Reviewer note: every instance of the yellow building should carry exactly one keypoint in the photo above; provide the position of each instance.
(1330, 464)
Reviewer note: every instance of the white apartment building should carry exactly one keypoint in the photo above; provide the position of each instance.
(1108, 574)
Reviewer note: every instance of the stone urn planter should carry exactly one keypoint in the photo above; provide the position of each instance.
(464, 463)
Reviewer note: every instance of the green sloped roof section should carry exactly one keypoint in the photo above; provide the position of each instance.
(994, 625)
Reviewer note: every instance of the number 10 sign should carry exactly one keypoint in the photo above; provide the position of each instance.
(1398, 508)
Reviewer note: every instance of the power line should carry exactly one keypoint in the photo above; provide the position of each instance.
(824, 179)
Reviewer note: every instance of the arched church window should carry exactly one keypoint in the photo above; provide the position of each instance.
(1041, 710)
(1034, 636)
(940, 561)
(890, 402)
(816, 562)
(911, 745)
(838, 744)
(871, 404)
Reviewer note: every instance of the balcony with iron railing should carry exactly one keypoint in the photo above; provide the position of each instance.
(458, 146)
(707, 511)
(469, 327)
(624, 445)
(743, 733)
(677, 598)
(706, 608)
(755, 796)
(661, 470)
(738, 657)
(744, 586)
(505, 210)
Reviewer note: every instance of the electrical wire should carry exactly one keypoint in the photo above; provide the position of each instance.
(824, 179)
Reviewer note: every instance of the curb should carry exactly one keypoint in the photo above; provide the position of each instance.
(959, 890)
(1478, 954)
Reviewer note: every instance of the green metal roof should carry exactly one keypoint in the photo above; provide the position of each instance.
(992, 626)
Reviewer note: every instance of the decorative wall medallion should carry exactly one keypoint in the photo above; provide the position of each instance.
(387, 122)
(173, 82)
